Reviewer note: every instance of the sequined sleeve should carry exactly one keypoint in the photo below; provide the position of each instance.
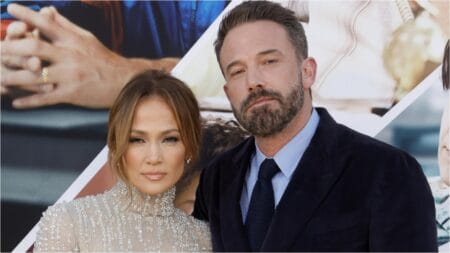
(204, 235)
(56, 230)
(199, 231)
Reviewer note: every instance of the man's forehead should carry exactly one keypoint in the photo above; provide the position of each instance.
(255, 38)
(255, 29)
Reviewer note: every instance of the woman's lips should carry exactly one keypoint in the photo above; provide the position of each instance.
(154, 176)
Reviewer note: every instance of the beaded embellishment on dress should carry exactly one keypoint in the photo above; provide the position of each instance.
(122, 219)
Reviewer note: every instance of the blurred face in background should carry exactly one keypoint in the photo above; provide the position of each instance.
(444, 146)
(155, 157)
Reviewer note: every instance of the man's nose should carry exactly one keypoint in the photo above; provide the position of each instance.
(254, 79)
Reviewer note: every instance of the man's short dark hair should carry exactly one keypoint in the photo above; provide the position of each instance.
(252, 11)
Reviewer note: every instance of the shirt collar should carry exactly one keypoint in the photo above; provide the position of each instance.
(288, 157)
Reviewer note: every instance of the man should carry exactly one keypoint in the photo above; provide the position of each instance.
(321, 185)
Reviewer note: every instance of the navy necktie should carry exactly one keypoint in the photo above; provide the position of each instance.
(262, 205)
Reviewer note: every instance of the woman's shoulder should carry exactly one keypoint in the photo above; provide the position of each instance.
(197, 230)
(83, 204)
(201, 224)
(56, 221)
(57, 211)
(65, 225)
(191, 221)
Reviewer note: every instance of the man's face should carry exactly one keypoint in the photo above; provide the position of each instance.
(264, 81)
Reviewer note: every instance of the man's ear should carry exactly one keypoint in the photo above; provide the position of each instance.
(309, 68)
(225, 88)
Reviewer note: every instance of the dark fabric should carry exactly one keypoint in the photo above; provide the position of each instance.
(349, 192)
(262, 205)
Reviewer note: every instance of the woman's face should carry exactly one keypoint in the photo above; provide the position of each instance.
(154, 160)
(444, 146)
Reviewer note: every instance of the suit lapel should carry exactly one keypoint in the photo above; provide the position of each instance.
(310, 183)
(234, 235)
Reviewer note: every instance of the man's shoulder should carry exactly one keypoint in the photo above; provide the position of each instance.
(338, 137)
(358, 151)
(366, 159)
(369, 146)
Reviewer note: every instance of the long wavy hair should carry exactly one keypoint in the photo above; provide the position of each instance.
(178, 97)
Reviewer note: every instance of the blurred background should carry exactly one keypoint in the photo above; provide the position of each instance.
(416, 131)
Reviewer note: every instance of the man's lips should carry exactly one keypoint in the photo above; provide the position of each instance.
(154, 176)
(260, 101)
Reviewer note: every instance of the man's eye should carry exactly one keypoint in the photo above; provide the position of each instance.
(270, 61)
(237, 72)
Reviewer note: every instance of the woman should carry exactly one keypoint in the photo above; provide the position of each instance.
(154, 131)
(218, 136)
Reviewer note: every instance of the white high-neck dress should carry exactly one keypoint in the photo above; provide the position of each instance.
(122, 219)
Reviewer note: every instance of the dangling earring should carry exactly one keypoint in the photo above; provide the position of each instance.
(188, 161)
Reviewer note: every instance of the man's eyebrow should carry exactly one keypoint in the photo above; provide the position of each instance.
(269, 51)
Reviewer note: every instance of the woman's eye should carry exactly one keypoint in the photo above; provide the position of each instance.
(171, 139)
(135, 140)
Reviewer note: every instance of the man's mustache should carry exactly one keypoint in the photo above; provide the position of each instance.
(257, 95)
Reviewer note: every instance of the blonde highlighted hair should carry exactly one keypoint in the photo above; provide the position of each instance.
(178, 97)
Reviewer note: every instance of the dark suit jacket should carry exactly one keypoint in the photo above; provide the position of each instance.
(349, 192)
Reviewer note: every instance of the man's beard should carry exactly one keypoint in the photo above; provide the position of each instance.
(264, 121)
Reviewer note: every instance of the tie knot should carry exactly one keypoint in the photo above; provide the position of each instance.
(268, 169)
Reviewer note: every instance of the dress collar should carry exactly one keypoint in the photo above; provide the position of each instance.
(130, 199)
